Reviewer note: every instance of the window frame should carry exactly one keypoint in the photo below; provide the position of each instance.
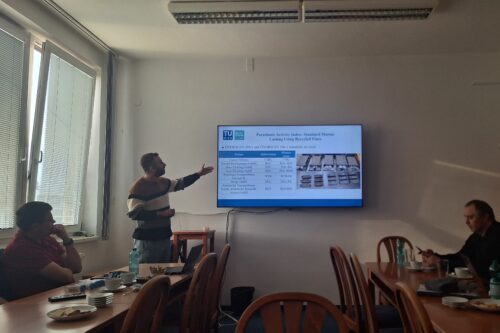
(25, 37)
(49, 48)
(90, 221)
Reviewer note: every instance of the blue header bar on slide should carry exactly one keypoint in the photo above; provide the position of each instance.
(291, 203)
(257, 154)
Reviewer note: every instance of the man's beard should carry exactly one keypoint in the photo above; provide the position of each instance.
(160, 172)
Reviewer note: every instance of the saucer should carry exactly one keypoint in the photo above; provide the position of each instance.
(416, 269)
(120, 288)
(454, 302)
(466, 277)
(429, 268)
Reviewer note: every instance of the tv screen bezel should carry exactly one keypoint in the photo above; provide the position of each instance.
(362, 200)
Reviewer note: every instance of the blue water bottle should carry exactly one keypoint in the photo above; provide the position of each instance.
(133, 261)
(495, 280)
(400, 253)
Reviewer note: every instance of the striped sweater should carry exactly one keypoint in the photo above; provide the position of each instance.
(146, 198)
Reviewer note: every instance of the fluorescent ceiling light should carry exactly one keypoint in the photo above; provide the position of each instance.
(280, 11)
(209, 12)
(366, 10)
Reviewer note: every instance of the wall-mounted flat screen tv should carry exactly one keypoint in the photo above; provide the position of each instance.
(290, 166)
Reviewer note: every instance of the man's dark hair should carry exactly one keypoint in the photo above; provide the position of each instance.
(147, 161)
(482, 207)
(32, 213)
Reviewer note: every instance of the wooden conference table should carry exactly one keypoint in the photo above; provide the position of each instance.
(206, 237)
(29, 314)
(444, 319)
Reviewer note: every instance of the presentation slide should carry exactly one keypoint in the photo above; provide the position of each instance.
(290, 166)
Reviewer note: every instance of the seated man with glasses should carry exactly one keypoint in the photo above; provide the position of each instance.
(34, 260)
(482, 246)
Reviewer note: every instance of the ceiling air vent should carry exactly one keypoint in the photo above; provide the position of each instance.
(366, 10)
(219, 12)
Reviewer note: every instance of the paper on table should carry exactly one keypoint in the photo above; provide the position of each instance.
(423, 291)
(145, 271)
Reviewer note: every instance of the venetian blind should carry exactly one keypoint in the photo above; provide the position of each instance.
(64, 142)
(11, 94)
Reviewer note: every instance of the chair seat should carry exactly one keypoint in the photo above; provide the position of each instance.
(255, 324)
(387, 316)
(173, 313)
(392, 330)
(294, 312)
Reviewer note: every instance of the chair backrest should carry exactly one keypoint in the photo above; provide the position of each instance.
(413, 314)
(390, 243)
(371, 324)
(194, 317)
(216, 287)
(350, 303)
(147, 311)
(294, 311)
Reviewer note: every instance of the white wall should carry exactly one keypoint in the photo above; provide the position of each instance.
(431, 142)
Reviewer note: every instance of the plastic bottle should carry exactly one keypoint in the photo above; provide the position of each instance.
(495, 280)
(133, 261)
(400, 253)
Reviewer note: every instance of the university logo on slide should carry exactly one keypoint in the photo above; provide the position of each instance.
(227, 135)
(239, 135)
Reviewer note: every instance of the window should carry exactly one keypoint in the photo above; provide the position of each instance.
(58, 163)
(35, 78)
(54, 137)
(13, 87)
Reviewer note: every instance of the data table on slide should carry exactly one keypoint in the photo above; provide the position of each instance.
(257, 172)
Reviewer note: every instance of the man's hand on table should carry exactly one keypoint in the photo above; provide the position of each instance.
(429, 258)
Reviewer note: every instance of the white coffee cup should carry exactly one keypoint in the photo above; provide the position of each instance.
(113, 283)
(127, 277)
(416, 264)
(462, 272)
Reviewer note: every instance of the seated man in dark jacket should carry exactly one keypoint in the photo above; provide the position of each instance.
(482, 247)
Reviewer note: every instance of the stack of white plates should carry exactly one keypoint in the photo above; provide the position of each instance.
(100, 300)
(454, 302)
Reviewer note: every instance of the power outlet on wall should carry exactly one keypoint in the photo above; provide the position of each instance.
(250, 65)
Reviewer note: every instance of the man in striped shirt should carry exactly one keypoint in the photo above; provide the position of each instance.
(148, 204)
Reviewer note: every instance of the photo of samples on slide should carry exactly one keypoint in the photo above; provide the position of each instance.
(317, 171)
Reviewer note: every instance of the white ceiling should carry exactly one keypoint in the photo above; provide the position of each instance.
(145, 29)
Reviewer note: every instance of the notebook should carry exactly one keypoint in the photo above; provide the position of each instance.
(191, 260)
(423, 291)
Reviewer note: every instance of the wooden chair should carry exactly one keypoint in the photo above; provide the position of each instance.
(413, 314)
(380, 318)
(292, 311)
(377, 318)
(370, 322)
(216, 287)
(390, 243)
(195, 318)
(349, 298)
(146, 313)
